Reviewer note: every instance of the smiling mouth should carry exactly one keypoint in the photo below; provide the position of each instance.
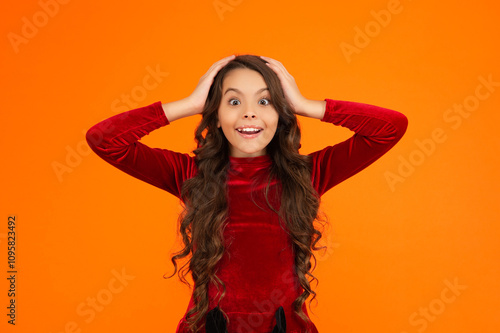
(248, 130)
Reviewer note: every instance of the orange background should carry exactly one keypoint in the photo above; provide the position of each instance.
(393, 249)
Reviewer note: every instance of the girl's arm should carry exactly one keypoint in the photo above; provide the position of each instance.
(376, 129)
(116, 139)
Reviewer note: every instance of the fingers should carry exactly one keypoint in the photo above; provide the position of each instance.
(277, 67)
(290, 89)
(275, 63)
(221, 63)
(201, 91)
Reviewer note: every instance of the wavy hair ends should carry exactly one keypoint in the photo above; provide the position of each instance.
(205, 211)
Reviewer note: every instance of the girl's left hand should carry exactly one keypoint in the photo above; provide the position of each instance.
(290, 89)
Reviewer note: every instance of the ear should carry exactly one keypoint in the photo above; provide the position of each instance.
(218, 123)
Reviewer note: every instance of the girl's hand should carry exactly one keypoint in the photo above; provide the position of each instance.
(300, 104)
(194, 103)
(198, 97)
(292, 93)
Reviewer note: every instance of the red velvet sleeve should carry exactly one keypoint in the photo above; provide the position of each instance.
(376, 131)
(116, 140)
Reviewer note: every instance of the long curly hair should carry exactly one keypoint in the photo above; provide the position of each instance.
(205, 208)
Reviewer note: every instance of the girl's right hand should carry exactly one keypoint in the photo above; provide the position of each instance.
(200, 94)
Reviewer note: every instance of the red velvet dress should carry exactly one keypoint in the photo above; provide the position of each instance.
(258, 266)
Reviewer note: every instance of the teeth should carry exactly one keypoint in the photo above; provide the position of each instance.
(248, 130)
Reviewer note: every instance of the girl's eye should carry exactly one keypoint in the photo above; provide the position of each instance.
(234, 102)
(264, 101)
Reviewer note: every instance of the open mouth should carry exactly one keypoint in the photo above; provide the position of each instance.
(249, 130)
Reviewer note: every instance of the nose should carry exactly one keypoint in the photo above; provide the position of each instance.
(249, 113)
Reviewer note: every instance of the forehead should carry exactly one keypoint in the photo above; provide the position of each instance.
(243, 79)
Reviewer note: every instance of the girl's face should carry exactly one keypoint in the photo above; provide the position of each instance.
(246, 115)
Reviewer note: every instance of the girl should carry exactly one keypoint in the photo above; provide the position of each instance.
(250, 199)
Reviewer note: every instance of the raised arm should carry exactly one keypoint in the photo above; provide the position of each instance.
(116, 139)
(376, 129)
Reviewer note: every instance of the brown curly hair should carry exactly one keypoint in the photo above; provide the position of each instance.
(205, 212)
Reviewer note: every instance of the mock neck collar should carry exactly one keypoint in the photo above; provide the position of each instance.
(257, 160)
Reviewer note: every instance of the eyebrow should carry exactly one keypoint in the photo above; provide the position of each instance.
(239, 92)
